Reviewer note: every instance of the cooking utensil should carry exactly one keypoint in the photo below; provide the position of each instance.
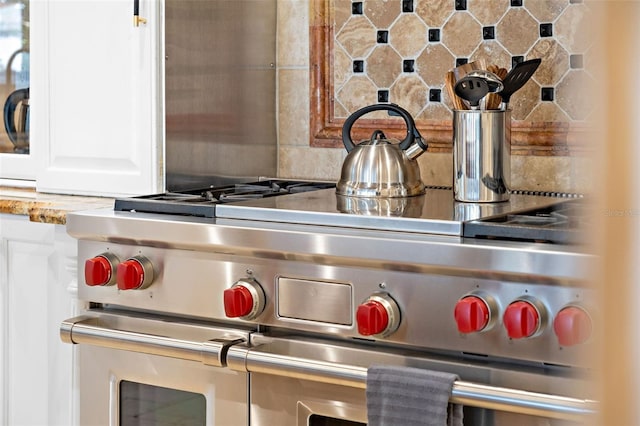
(462, 70)
(517, 78)
(493, 81)
(472, 89)
(493, 100)
(449, 84)
(378, 167)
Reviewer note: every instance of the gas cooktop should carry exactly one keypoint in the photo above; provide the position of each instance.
(435, 212)
(535, 217)
(203, 201)
(561, 223)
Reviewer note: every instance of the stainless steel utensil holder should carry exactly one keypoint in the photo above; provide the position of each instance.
(481, 155)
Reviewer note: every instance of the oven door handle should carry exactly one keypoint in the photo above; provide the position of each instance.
(91, 331)
(245, 359)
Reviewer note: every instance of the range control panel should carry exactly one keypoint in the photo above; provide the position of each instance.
(538, 322)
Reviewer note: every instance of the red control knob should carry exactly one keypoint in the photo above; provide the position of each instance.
(134, 273)
(100, 270)
(238, 301)
(372, 318)
(97, 271)
(245, 299)
(378, 315)
(471, 314)
(521, 319)
(572, 325)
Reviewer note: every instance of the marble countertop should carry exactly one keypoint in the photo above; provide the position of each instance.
(46, 208)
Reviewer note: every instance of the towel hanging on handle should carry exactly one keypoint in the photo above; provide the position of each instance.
(406, 396)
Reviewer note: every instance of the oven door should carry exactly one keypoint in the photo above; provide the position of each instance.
(313, 382)
(142, 370)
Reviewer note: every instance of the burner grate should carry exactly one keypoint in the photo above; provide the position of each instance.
(201, 202)
(561, 223)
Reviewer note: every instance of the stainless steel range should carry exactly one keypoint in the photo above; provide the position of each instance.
(266, 304)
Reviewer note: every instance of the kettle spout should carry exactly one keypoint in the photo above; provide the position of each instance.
(418, 147)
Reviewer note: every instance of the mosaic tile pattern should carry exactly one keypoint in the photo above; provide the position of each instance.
(399, 51)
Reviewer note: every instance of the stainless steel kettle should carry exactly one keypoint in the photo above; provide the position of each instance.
(379, 167)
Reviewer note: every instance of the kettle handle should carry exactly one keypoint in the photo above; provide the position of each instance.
(348, 124)
(9, 112)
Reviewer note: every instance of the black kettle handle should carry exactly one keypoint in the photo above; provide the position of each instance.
(348, 124)
(9, 112)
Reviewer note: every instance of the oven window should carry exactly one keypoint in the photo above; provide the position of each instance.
(146, 405)
(316, 420)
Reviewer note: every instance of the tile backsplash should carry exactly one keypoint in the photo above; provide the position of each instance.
(399, 51)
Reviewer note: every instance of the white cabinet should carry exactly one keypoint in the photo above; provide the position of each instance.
(103, 101)
(24, 166)
(37, 292)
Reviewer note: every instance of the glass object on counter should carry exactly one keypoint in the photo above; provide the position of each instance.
(14, 76)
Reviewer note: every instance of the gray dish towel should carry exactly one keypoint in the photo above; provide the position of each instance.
(406, 396)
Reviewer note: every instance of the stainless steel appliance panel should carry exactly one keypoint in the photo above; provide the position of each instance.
(307, 363)
(310, 300)
(167, 357)
(435, 212)
(425, 276)
(292, 379)
(220, 90)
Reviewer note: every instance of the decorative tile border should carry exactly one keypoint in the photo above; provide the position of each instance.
(559, 136)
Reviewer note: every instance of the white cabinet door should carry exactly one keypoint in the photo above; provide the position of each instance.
(23, 166)
(37, 292)
(104, 100)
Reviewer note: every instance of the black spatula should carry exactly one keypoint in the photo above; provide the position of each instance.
(472, 89)
(517, 78)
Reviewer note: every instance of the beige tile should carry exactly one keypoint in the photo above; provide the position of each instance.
(583, 175)
(342, 67)
(492, 52)
(357, 37)
(293, 33)
(555, 61)
(382, 12)
(517, 31)
(311, 163)
(436, 169)
(357, 93)
(547, 112)
(435, 111)
(574, 94)
(434, 12)
(433, 63)
(340, 111)
(462, 34)
(574, 27)
(547, 10)
(408, 35)
(342, 13)
(535, 173)
(383, 66)
(410, 92)
(524, 100)
(293, 107)
(488, 12)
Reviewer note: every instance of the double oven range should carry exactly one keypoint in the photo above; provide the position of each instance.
(266, 303)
